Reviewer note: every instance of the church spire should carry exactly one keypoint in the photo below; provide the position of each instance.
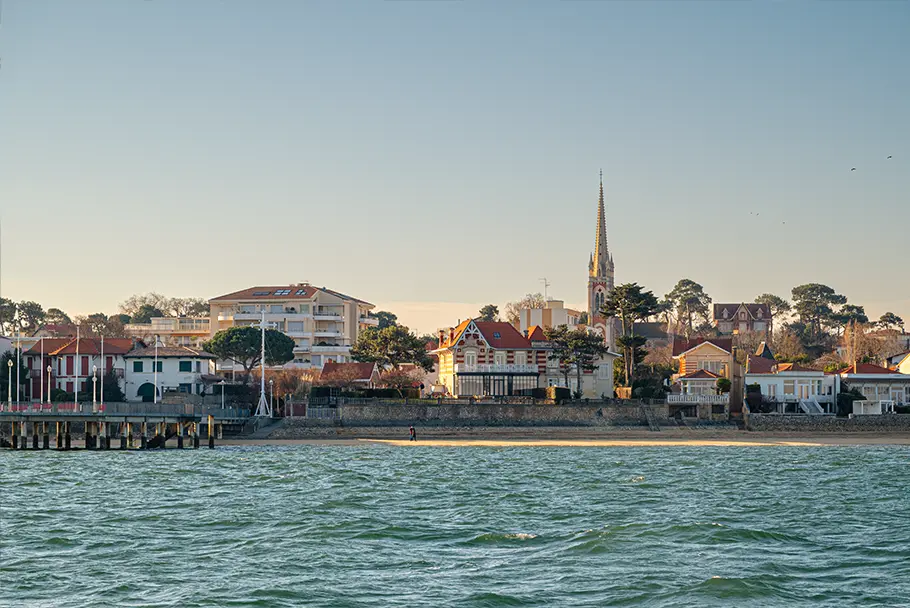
(602, 260)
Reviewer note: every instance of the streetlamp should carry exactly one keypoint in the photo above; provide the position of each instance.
(49, 370)
(9, 388)
(222, 393)
(94, 389)
(272, 397)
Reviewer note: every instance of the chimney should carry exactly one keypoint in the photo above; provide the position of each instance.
(524, 333)
(451, 334)
(441, 334)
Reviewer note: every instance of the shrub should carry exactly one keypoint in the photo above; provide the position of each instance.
(724, 385)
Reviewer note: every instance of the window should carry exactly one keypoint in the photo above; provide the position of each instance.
(137, 367)
(726, 313)
(742, 315)
(759, 326)
(160, 367)
(317, 360)
(69, 365)
(499, 358)
(186, 366)
(715, 367)
(276, 308)
(772, 390)
(470, 358)
(758, 314)
(789, 387)
(300, 292)
(261, 293)
(198, 366)
(521, 357)
(84, 366)
(185, 388)
(295, 326)
(497, 335)
(283, 292)
(247, 308)
(305, 309)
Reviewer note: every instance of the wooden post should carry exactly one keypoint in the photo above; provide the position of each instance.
(14, 435)
(67, 437)
(45, 439)
(180, 431)
(129, 434)
(143, 439)
(123, 435)
(58, 439)
(195, 435)
(211, 425)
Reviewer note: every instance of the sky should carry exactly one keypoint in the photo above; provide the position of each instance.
(431, 157)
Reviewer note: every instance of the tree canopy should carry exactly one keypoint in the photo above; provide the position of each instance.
(889, 320)
(575, 349)
(690, 302)
(56, 316)
(392, 347)
(386, 319)
(530, 301)
(242, 344)
(490, 312)
(814, 304)
(630, 303)
(145, 314)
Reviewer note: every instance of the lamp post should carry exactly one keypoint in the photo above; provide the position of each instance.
(103, 371)
(18, 364)
(49, 370)
(272, 397)
(40, 375)
(222, 393)
(9, 388)
(94, 389)
(76, 394)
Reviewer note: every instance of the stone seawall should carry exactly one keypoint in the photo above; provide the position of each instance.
(499, 415)
(827, 424)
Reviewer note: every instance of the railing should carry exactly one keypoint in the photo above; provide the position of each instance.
(495, 368)
(327, 333)
(707, 399)
(128, 409)
(369, 321)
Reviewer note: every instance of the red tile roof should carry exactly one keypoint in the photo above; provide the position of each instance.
(867, 368)
(535, 334)
(509, 337)
(50, 345)
(364, 371)
(760, 365)
(92, 346)
(166, 352)
(794, 367)
(308, 292)
(682, 345)
(700, 374)
(456, 334)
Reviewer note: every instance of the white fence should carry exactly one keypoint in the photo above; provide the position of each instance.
(706, 399)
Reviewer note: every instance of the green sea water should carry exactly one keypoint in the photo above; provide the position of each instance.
(419, 526)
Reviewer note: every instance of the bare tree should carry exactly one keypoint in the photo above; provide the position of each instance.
(530, 301)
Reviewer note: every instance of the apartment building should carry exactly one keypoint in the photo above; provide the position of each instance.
(189, 332)
(323, 323)
(553, 314)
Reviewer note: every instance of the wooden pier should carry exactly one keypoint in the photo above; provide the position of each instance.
(154, 427)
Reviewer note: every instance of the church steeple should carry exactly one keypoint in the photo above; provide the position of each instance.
(600, 270)
(602, 266)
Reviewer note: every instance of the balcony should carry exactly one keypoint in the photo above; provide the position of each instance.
(305, 348)
(339, 348)
(369, 321)
(705, 399)
(327, 333)
(495, 368)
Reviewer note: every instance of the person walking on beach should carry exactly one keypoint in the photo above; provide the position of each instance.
(412, 433)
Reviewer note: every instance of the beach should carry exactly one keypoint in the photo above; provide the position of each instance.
(566, 437)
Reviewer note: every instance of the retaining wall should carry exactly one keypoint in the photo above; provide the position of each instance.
(498, 415)
(827, 424)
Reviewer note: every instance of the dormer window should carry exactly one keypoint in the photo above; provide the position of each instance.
(758, 314)
(726, 313)
(496, 335)
(742, 315)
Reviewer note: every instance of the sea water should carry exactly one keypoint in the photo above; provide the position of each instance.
(375, 525)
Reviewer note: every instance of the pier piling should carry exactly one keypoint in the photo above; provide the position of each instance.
(67, 437)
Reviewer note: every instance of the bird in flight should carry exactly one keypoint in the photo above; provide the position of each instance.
(889, 156)
(853, 169)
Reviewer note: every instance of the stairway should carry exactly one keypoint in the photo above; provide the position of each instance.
(649, 417)
(264, 427)
(810, 406)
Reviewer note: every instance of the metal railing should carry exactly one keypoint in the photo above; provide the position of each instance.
(707, 399)
(495, 368)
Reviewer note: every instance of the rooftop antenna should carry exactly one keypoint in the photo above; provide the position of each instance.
(546, 286)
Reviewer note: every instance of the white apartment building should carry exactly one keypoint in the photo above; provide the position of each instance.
(166, 368)
(323, 323)
(553, 314)
(173, 331)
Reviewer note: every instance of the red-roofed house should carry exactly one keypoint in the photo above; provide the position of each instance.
(877, 383)
(794, 388)
(72, 360)
(479, 358)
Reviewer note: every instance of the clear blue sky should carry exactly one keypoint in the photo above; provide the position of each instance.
(416, 152)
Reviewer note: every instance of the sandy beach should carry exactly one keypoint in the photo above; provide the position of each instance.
(572, 437)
